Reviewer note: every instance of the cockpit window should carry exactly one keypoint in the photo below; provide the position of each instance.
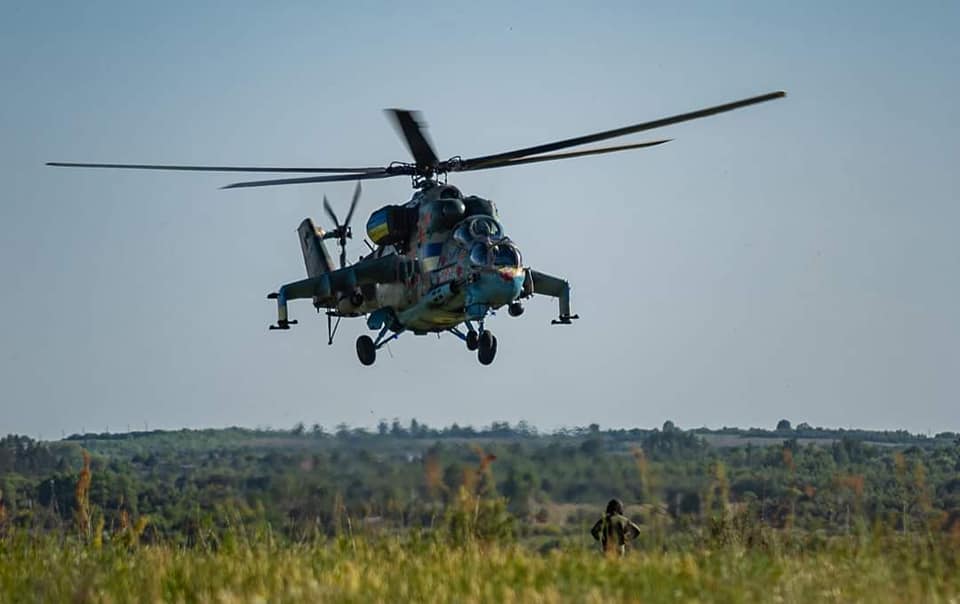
(479, 254)
(462, 234)
(484, 227)
(479, 228)
(506, 255)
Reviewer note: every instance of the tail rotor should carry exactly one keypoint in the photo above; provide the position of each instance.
(342, 232)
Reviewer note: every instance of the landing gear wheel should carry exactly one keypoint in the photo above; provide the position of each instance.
(486, 348)
(472, 340)
(366, 350)
(515, 309)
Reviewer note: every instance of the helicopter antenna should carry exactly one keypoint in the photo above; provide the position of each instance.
(342, 232)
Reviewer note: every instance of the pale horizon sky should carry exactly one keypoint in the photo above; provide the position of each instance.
(797, 259)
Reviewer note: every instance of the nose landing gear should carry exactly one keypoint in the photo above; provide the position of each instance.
(367, 347)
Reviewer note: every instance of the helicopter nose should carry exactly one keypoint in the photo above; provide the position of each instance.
(497, 287)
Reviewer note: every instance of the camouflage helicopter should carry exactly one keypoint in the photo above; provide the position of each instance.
(441, 262)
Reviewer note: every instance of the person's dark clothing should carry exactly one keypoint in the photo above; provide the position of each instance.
(613, 531)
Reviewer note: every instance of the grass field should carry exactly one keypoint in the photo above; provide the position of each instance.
(387, 569)
(820, 529)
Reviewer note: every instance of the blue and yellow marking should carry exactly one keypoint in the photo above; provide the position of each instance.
(377, 227)
(430, 256)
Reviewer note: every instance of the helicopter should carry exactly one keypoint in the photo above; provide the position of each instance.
(439, 263)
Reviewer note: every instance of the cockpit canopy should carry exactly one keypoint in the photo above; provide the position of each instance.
(501, 254)
(506, 254)
(483, 237)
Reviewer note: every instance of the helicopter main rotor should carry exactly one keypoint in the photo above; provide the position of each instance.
(427, 165)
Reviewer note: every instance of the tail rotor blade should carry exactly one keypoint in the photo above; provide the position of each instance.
(353, 204)
(330, 213)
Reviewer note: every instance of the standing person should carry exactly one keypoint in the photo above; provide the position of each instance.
(614, 529)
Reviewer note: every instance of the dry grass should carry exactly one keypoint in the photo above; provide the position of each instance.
(389, 570)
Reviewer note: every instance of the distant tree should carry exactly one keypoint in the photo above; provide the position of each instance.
(298, 429)
(783, 425)
(669, 426)
(7, 458)
(674, 444)
(383, 428)
(6, 492)
(804, 427)
(594, 428)
(591, 446)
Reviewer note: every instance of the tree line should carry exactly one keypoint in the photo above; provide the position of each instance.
(409, 476)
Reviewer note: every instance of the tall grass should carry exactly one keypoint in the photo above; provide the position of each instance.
(417, 568)
(471, 553)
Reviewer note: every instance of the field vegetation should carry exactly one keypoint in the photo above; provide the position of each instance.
(499, 514)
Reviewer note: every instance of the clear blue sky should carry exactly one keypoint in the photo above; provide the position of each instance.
(798, 259)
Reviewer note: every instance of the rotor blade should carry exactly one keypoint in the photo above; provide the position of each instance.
(353, 204)
(599, 136)
(410, 126)
(330, 213)
(214, 168)
(309, 179)
(553, 156)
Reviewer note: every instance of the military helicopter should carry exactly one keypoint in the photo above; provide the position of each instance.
(441, 262)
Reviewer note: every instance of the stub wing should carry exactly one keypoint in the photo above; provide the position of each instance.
(548, 285)
(327, 287)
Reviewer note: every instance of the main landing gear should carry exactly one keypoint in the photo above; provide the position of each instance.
(366, 350)
(482, 341)
(486, 347)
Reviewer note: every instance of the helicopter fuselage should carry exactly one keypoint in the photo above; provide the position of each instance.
(465, 265)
